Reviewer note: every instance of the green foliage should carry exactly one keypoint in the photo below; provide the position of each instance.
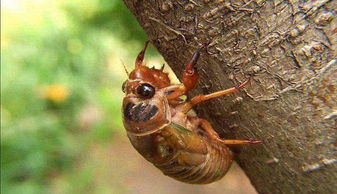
(99, 13)
(57, 95)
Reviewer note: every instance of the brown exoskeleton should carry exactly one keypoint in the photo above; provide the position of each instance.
(159, 126)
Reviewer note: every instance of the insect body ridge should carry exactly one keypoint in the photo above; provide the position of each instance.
(161, 128)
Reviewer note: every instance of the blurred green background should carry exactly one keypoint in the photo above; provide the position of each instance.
(61, 77)
(61, 86)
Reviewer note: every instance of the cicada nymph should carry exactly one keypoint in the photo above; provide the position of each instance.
(160, 127)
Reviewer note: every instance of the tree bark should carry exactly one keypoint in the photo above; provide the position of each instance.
(291, 104)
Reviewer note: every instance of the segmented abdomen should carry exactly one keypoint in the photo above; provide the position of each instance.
(217, 162)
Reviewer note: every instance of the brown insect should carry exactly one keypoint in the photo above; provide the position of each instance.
(160, 127)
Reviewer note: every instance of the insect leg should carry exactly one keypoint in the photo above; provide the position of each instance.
(140, 57)
(190, 74)
(201, 98)
(173, 92)
(214, 135)
(189, 78)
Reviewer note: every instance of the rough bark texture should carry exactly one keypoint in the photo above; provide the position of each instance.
(291, 104)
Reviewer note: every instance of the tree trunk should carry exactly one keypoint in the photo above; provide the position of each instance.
(291, 104)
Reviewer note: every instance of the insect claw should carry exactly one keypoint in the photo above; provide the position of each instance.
(140, 57)
(206, 45)
(145, 45)
(243, 84)
(255, 142)
(162, 67)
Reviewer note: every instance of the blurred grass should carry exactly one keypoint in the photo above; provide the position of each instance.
(61, 75)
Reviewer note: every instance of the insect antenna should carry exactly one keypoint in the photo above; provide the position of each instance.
(125, 69)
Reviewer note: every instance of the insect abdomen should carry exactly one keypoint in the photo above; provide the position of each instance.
(216, 164)
(197, 161)
(185, 155)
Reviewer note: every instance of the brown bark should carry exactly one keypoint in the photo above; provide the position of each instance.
(291, 104)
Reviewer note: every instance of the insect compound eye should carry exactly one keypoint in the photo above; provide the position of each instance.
(145, 90)
(124, 86)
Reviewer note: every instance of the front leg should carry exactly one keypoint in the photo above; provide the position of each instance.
(189, 78)
(140, 57)
(190, 74)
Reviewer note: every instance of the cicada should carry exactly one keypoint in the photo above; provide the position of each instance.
(162, 129)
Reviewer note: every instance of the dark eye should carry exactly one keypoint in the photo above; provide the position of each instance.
(124, 85)
(146, 90)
